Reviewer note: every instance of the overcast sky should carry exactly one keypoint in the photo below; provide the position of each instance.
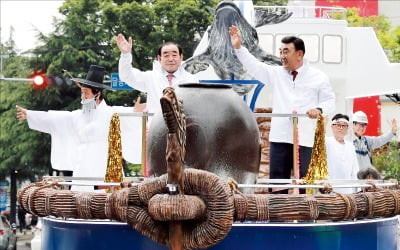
(25, 17)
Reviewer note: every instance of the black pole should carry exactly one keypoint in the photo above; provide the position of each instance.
(13, 195)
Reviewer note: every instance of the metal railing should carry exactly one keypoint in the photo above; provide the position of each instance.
(144, 116)
(322, 12)
(262, 183)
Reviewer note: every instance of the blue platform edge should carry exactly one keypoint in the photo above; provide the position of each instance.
(371, 234)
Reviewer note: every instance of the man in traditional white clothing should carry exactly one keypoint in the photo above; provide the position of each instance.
(341, 156)
(79, 138)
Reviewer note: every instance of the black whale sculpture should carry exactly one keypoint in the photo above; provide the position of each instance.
(219, 52)
(222, 135)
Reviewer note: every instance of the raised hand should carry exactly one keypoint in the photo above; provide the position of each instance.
(236, 38)
(139, 107)
(125, 46)
(394, 126)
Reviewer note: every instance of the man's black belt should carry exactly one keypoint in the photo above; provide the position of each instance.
(360, 152)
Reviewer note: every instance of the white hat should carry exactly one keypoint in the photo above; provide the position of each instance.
(360, 116)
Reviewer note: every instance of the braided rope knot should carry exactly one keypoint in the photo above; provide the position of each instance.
(148, 209)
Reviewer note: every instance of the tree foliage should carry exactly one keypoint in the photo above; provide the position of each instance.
(387, 160)
(388, 37)
(20, 148)
(84, 35)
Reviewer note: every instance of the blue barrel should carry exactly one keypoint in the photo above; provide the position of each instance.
(374, 234)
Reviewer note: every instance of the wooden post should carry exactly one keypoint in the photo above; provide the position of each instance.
(175, 235)
(144, 144)
(296, 170)
(175, 185)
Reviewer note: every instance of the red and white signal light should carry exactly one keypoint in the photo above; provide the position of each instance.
(39, 80)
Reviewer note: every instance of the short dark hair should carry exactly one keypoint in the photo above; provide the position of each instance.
(297, 42)
(169, 43)
(94, 90)
(371, 172)
(339, 116)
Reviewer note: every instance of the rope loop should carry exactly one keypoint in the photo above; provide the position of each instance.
(199, 233)
(351, 206)
(371, 200)
(395, 200)
(313, 207)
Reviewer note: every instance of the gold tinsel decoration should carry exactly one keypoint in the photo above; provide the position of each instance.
(318, 168)
(115, 160)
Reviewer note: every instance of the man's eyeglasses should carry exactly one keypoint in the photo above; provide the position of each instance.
(340, 125)
(363, 125)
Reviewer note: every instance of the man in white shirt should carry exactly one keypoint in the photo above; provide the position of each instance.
(297, 87)
(167, 71)
(340, 154)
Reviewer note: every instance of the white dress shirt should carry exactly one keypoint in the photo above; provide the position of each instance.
(310, 89)
(152, 82)
(342, 162)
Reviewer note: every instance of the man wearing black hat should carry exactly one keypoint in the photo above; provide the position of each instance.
(91, 90)
(80, 137)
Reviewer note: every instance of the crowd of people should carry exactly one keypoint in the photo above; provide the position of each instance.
(352, 158)
(79, 138)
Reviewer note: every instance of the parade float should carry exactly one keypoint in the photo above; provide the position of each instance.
(196, 202)
(191, 208)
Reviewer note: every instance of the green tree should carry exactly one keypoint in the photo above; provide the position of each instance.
(151, 23)
(84, 36)
(17, 148)
(387, 160)
(19, 151)
(388, 37)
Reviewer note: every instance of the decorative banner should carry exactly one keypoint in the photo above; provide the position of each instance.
(318, 170)
(115, 160)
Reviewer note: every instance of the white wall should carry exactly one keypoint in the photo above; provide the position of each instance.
(391, 9)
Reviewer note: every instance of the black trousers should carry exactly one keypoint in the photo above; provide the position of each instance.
(281, 160)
